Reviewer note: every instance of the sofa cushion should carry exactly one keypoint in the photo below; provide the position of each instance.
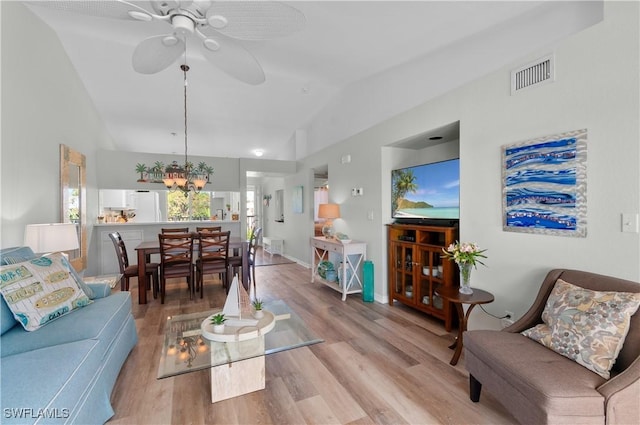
(19, 254)
(99, 290)
(41, 290)
(536, 374)
(7, 321)
(101, 320)
(15, 254)
(85, 288)
(586, 326)
(40, 385)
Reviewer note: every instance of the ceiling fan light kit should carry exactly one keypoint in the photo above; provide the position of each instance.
(216, 23)
(183, 24)
(219, 24)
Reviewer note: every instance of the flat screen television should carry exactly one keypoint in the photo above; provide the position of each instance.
(427, 193)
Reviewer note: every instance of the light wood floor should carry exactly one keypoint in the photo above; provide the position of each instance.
(378, 365)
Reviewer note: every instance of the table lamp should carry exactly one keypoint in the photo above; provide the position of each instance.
(328, 212)
(52, 237)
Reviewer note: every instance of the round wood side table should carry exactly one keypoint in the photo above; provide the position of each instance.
(453, 295)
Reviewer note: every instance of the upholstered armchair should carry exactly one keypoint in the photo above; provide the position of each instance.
(538, 385)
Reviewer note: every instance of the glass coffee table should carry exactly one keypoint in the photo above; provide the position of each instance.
(236, 367)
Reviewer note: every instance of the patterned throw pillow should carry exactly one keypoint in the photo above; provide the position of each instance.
(586, 326)
(40, 290)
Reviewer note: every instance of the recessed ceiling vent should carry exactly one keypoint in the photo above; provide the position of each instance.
(532, 74)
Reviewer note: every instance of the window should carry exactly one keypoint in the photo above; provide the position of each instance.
(193, 206)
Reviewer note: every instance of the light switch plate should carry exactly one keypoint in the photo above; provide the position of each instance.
(630, 222)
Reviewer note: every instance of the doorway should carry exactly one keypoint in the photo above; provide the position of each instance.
(320, 195)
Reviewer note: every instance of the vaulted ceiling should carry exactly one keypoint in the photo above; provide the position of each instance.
(341, 44)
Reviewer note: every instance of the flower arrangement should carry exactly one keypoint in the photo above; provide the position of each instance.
(464, 253)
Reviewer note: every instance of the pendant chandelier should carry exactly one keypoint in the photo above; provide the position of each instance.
(187, 177)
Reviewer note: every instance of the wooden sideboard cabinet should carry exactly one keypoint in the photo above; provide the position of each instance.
(416, 268)
(352, 255)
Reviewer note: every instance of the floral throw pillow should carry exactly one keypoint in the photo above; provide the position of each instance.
(586, 326)
(41, 290)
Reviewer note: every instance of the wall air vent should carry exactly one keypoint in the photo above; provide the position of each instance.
(532, 74)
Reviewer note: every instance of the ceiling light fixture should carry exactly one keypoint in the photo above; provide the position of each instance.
(186, 178)
(258, 152)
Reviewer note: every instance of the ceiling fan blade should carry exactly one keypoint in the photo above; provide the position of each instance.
(118, 9)
(235, 60)
(156, 53)
(255, 20)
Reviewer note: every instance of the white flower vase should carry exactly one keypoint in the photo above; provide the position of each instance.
(465, 278)
(258, 314)
(218, 329)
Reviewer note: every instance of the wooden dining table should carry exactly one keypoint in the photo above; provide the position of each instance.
(146, 248)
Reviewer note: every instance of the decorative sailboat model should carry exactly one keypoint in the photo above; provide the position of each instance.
(237, 307)
(239, 323)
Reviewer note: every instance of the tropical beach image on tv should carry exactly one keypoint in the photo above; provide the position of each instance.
(429, 191)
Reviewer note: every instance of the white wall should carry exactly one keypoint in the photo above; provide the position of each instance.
(44, 104)
(596, 87)
(379, 97)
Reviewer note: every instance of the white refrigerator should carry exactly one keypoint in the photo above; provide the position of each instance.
(146, 206)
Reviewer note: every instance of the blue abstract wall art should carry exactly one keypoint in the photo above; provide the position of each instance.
(544, 185)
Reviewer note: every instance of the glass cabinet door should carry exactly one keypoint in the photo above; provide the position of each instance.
(430, 277)
(404, 258)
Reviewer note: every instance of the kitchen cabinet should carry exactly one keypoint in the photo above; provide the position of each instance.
(116, 199)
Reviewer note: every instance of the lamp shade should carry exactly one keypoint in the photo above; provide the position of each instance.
(329, 211)
(51, 237)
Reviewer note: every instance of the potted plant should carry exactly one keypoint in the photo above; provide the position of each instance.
(218, 323)
(257, 307)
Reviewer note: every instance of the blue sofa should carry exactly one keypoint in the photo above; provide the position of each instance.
(64, 372)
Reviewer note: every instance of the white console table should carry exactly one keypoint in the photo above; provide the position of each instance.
(353, 256)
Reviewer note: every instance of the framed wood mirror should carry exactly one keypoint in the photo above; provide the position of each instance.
(73, 189)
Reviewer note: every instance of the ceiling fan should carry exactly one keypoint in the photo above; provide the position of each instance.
(215, 23)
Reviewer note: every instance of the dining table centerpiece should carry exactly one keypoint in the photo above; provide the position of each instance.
(466, 255)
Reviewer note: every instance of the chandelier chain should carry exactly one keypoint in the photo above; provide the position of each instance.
(187, 178)
(185, 68)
